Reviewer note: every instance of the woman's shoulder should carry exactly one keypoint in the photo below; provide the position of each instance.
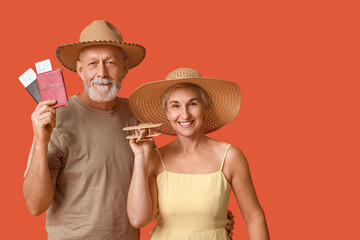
(234, 156)
(156, 165)
(236, 162)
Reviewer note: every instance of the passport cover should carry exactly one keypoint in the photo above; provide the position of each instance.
(28, 80)
(52, 86)
(33, 89)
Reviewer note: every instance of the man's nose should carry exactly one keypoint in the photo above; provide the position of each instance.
(102, 71)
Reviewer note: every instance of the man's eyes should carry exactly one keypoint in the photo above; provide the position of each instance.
(108, 63)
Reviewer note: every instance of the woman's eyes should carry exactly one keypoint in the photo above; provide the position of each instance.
(193, 104)
(174, 106)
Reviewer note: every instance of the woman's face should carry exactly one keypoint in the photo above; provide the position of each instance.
(185, 111)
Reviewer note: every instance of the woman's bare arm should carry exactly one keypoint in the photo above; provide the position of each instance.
(142, 196)
(245, 194)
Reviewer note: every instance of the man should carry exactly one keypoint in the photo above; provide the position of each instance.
(80, 165)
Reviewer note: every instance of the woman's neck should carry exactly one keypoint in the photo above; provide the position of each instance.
(190, 144)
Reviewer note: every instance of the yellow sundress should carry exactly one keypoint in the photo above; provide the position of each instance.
(192, 206)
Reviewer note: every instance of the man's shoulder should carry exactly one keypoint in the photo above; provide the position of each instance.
(123, 103)
(124, 110)
(122, 100)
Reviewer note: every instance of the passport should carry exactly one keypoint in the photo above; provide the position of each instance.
(28, 79)
(52, 86)
(33, 89)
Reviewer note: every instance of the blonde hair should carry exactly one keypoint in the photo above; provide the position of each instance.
(204, 96)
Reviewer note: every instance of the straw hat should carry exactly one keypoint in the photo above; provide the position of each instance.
(146, 101)
(99, 32)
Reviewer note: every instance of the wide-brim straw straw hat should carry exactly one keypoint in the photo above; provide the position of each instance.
(225, 98)
(99, 32)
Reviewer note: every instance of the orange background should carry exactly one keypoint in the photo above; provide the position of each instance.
(296, 62)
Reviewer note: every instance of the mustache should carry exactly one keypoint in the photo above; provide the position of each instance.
(102, 81)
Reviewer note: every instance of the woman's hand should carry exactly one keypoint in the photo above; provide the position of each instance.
(141, 148)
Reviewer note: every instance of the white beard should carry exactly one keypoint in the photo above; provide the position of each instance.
(103, 93)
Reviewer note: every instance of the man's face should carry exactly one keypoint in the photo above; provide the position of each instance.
(102, 68)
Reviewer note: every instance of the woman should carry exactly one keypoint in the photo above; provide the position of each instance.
(185, 185)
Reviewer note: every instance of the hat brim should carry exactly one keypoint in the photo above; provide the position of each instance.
(68, 54)
(225, 97)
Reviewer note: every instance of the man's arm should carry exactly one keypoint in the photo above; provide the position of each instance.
(38, 186)
(230, 225)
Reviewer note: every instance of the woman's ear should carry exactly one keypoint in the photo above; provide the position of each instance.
(167, 114)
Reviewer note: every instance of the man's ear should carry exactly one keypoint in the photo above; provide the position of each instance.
(126, 67)
(79, 69)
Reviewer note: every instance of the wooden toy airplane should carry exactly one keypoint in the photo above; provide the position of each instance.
(143, 130)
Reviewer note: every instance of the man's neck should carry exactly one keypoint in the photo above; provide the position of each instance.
(102, 106)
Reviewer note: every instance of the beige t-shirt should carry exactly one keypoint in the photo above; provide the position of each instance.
(93, 163)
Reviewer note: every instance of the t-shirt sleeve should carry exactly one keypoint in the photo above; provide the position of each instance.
(54, 155)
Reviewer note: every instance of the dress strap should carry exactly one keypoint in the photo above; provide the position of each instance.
(226, 151)
(162, 162)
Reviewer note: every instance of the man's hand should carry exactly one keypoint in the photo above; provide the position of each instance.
(230, 225)
(43, 121)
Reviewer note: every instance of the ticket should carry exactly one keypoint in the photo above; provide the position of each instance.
(43, 66)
